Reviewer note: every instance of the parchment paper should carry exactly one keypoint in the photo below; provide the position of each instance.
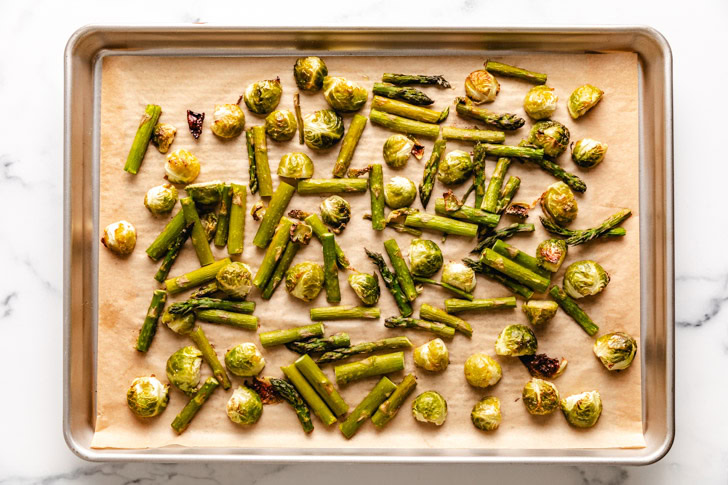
(126, 284)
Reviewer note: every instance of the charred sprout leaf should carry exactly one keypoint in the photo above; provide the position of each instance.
(262, 97)
(486, 414)
(582, 410)
(543, 366)
(583, 99)
(615, 350)
(516, 340)
(559, 203)
(452, 204)
(244, 407)
(119, 237)
(425, 257)
(585, 278)
(588, 153)
(296, 165)
(550, 135)
(540, 397)
(481, 87)
(323, 129)
(228, 121)
(354, 173)
(194, 121)
(397, 150)
(265, 389)
(309, 73)
(235, 279)
(459, 275)
(298, 214)
(336, 213)
(280, 125)
(147, 397)
(301, 233)
(399, 192)
(209, 224)
(539, 312)
(182, 167)
(244, 360)
(432, 356)
(455, 168)
(430, 407)
(305, 280)
(540, 102)
(344, 95)
(481, 370)
(163, 136)
(366, 287)
(406, 79)
(551, 253)
(519, 210)
(257, 211)
(183, 369)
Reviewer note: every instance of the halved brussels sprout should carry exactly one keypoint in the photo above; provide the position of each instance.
(119, 237)
(559, 203)
(179, 323)
(344, 95)
(516, 340)
(262, 97)
(551, 253)
(235, 279)
(205, 194)
(322, 129)
(425, 257)
(147, 397)
(397, 150)
(583, 99)
(432, 356)
(163, 136)
(399, 192)
(245, 406)
(228, 121)
(539, 312)
(540, 397)
(296, 165)
(161, 199)
(481, 370)
(244, 360)
(281, 125)
(335, 212)
(183, 369)
(455, 168)
(486, 414)
(309, 73)
(366, 287)
(459, 275)
(552, 136)
(588, 153)
(305, 280)
(182, 167)
(481, 87)
(585, 278)
(615, 350)
(582, 410)
(540, 102)
(430, 407)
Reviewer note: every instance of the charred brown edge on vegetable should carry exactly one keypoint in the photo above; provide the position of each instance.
(194, 121)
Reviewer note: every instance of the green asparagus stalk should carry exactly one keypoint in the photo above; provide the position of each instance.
(390, 281)
(160, 246)
(417, 324)
(331, 272)
(198, 235)
(309, 395)
(407, 79)
(281, 267)
(409, 111)
(319, 229)
(299, 116)
(231, 319)
(501, 234)
(499, 277)
(331, 186)
(374, 365)
(401, 271)
(548, 166)
(446, 225)
(376, 192)
(343, 312)
(194, 278)
(512, 71)
(472, 135)
(193, 304)
(142, 138)
(492, 193)
(467, 213)
(252, 169)
(287, 335)
(392, 343)
(554, 228)
(452, 289)
(284, 390)
(236, 224)
(509, 191)
(223, 216)
(205, 291)
(262, 168)
(525, 260)
(208, 353)
(505, 121)
(273, 214)
(316, 345)
(389, 408)
(428, 179)
(348, 145)
(367, 407)
(527, 153)
(149, 327)
(184, 418)
(321, 384)
(573, 310)
(576, 237)
(274, 252)
(514, 270)
(456, 305)
(409, 95)
(172, 254)
(404, 125)
(434, 314)
(478, 176)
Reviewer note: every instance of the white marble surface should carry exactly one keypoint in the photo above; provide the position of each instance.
(33, 35)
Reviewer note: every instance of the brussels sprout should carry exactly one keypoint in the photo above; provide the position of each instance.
(551, 253)
(486, 414)
(245, 406)
(583, 99)
(309, 73)
(397, 150)
(335, 212)
(588, 153)
(425, 258)
(295, 165)
(459, 275)
(344, 95)
(182, 167)
(235, 279)
(481, 370)
(228, 120)
(205, 194)
(455, 168)
(183, 369)
(147, 397)
(161, 199)
(430, 407)
(432, 356)
(399, 192)
(552, 136)
(281, 125)
(615, 350)
(585, 278)
(481, 87)
(179, 323)
(582, 410)
(244, 360)
(322, 129)
(516, 340)
(262, 97)
(163, 136)
(366, 287)
(539, 312)
(209, 224)
(559, 203)
(119, 237)
(540, 102)
(540, 397)
(305, 280)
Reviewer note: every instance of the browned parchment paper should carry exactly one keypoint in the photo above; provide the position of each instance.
(126, 285)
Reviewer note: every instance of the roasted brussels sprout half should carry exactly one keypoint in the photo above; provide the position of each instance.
(262, 97)
(432, 356)
(551, 253)
(244, 407)
(588, 153)
(296, 165)
(583, 99)
(309, 73)
(147, 397)
(425, 258)
(228, 121)
(183, 369)
(366, 287)
(459, 275)
(516, 340)
(552, 136)
(182, 167)
(305, 280)
(397, 150)
(481, 87)
(539, 312)
(161, 199)
(344, 95)
(335, 212)
(582, 410)
(540, 397)
(179, 323)
(540, 102)
(455, 168)
(615, 350)
(235, 280)
(281, 125)
(585, 278)
(559, 203)
(399, 192)
(430, 407)
(322, 129)
(486, 414)
(119, 237)
(209, 224)
(163, 136)
(481, 370)
(244, 360)
(205, 194)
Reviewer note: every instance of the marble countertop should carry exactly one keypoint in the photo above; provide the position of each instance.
(31, 85)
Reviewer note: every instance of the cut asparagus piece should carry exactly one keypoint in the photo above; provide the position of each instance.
(514, 270)
(576, 237)
(281, 267)
(492, 193)
(149, 327)
(316, 345)
(299, 116)
(456, 305)
(508, 192)
(417, 324)
(447, 286)
(428, 179)
(236, 231)
(198, 235)
(208, 353)
(410, 95)
(548, 166)
(223, 216)
(331, 272)
(262, 168)
(392, 343)
(274, 252)
(374, 365)
(194, 278)
(390, 281)
(500, 234)
(231, 319)
(407, 79)
(142, 138)
(348, 145)
(331, 186)
(554, 228)
(472, 135)
(573, 310)
(434, 314)
(401, 271)
(399, 227)
(184, 418)
(367, 407)
(513, 151)
(505, 121)
(343, 312)
(205, 291)
(160, 246)
(252, 169)
(404, 125)
(499, 277)
(273, 214)
(287, 392)
(517, 72)
(184, 307)
(467, 214)
(319, 229)
(478, 176)
(389, 408)
(284, 336)
(410, 111)
(309, 395)
(525, 260)
(172, 254)
(446, 225)
(376, 192)
(322, 385)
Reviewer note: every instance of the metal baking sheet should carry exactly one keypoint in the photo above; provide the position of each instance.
(91, 44)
